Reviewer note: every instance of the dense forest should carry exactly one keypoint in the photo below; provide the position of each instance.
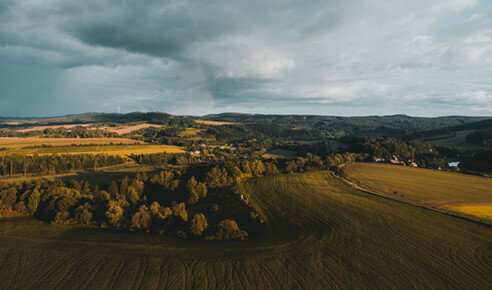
(398, 151)
(395, 125)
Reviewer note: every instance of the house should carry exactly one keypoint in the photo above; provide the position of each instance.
(394, 160)
(454, 164)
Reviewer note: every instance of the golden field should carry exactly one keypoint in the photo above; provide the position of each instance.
(111, 146)
(447, 190)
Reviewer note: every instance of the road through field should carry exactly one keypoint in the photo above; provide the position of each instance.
(320, 233)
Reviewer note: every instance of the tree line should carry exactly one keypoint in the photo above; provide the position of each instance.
(54, 163)
(423, 154)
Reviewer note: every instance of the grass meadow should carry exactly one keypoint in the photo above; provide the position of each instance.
(461, 193)
(458, 141)
(320, 233)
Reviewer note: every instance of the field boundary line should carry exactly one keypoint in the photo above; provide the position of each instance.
(369, 191)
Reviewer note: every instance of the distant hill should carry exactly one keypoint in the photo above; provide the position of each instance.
(393, 125)
(477, 125)
(475, 136)
(299, 127)
(151, 117)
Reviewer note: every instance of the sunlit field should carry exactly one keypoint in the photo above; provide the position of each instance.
(428, 187)
(111, 146)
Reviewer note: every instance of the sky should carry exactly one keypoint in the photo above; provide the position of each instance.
(347, 58)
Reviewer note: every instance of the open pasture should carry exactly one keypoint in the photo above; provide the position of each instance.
(279, 153)
(320, 233)
(447, 190)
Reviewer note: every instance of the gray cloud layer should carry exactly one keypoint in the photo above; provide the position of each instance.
(196, 57)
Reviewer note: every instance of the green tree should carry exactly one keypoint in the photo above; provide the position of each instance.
(114, 214)
(198, 224)
(201, 189)
(191, 189)
(113, 189)
(164, 213)
(33, 201)
(179, 210)
(141, 220)
(229, 230)
(154, 208)
(83, 214)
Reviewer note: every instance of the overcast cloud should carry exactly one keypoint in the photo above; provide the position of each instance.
(421, 57)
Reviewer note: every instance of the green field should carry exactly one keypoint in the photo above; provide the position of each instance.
(279, 153)
(447, 190)
(111, 146)
(458, 141)
(320, 233)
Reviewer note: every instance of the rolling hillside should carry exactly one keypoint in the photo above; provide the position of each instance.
(320, 233)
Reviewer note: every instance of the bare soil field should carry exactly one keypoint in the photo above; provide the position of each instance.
(130, 129)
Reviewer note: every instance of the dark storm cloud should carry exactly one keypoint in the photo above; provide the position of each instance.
(166, 30)
(196, 57)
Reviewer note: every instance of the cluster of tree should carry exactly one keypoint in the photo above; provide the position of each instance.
(217, 174)
(234, 171)
(137, 204)
(423, 154)
(314, 162)
(50, 164)
(164, 159)
(231, 133)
